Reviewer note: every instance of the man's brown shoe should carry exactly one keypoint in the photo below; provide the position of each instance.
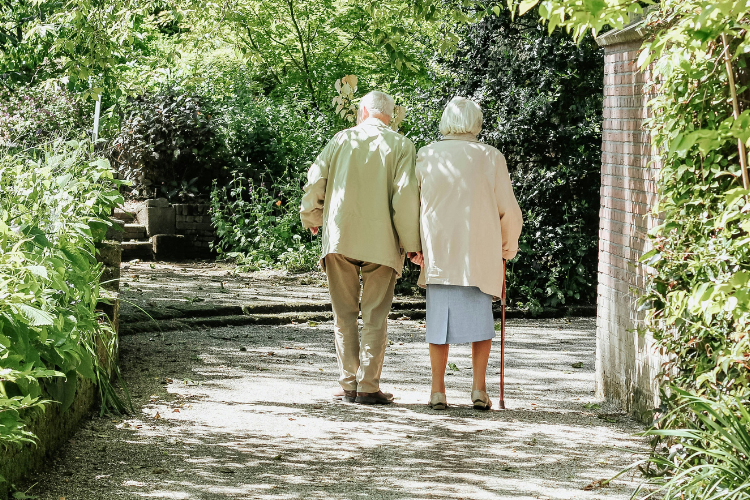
(374, 398)
(342, 395)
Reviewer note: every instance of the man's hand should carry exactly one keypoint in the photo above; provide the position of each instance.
(416, 258)
(314, 230)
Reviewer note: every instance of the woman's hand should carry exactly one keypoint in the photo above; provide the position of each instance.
(416, 258)
(314, 230)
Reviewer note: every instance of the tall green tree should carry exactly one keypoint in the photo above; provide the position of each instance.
(71, 39)
(304, 46)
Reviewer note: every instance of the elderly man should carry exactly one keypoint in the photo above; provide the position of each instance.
(362, 191)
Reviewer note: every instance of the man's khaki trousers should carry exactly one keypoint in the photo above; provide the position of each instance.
(360, 356)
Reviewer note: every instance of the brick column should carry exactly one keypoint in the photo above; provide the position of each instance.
(626, 361)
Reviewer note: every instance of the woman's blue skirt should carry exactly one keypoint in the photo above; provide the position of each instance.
(458, 314)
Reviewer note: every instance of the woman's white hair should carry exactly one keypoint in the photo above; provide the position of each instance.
(461, 116)
(377, 102)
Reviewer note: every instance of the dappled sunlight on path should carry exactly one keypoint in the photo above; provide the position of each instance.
(245, 412)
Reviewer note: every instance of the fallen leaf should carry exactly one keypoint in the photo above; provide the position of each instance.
(599, 483)
(579, 364)
(176, 410)
(157, 416)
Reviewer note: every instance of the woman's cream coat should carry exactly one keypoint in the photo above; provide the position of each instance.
(470, 219)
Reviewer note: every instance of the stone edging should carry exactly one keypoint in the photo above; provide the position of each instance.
(173, 318)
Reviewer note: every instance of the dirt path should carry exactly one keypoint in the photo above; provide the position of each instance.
(244, 412)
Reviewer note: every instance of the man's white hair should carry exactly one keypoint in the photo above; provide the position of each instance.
(461, 116)
(377, 102)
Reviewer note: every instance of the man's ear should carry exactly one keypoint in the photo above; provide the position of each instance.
(364, 115)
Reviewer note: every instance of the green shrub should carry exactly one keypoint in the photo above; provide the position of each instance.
(542, 100)
(36, 115)
(53, 209)
(259, 226)
(168, 145)
(712, 460)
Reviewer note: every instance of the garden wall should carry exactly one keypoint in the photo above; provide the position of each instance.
(54, 426)
(194, 221)
(626, 361)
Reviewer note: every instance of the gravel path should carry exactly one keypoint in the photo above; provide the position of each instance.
(244, 412)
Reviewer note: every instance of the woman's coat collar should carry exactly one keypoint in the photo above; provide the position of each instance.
(461, 137)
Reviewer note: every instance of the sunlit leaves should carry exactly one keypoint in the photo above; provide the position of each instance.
(48, 273)
(582, 16)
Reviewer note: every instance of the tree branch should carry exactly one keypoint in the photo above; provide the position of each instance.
(255, 46)
(301, 39)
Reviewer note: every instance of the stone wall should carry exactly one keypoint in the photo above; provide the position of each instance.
(626, 361)
(169, 231)
(194, 222)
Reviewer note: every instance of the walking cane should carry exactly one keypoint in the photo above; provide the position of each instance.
(502, 346)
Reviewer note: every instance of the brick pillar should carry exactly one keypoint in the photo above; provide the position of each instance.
(626, 361)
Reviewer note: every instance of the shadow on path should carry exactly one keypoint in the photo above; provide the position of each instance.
(244, 412)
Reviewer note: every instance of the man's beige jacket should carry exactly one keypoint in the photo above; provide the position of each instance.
(470, 217)
(362, 192)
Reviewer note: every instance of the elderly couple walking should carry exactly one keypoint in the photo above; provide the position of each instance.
(449, 208)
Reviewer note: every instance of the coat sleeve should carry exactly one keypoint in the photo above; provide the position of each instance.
(313, 199)
(405, 200)
(511, 218)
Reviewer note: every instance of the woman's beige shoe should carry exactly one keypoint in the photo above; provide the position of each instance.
(481, 400)
(437, 401)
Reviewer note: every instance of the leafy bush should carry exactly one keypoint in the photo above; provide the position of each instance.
(542, 100)
(698, 295)
(34, 115)
(698, 289)
(167, 144)
(256, 211)
(260, 226)
(712, 461)
(53, 210)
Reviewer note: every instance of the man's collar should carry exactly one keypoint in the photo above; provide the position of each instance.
(371, 120)
(461, 137)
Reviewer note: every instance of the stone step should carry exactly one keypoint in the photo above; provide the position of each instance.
(134, 232)
(123, 215)
(217, 321)
(116, 230)
(206, 310)
(143, 250)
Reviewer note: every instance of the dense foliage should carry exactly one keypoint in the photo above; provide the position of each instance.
(259, 226)
(167, 144)
(256, 213)
(542, 102)
(698, 293)
(54, 208)
(74, 40)
(33, 115)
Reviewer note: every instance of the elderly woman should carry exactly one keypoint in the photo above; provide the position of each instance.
(470, 222)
